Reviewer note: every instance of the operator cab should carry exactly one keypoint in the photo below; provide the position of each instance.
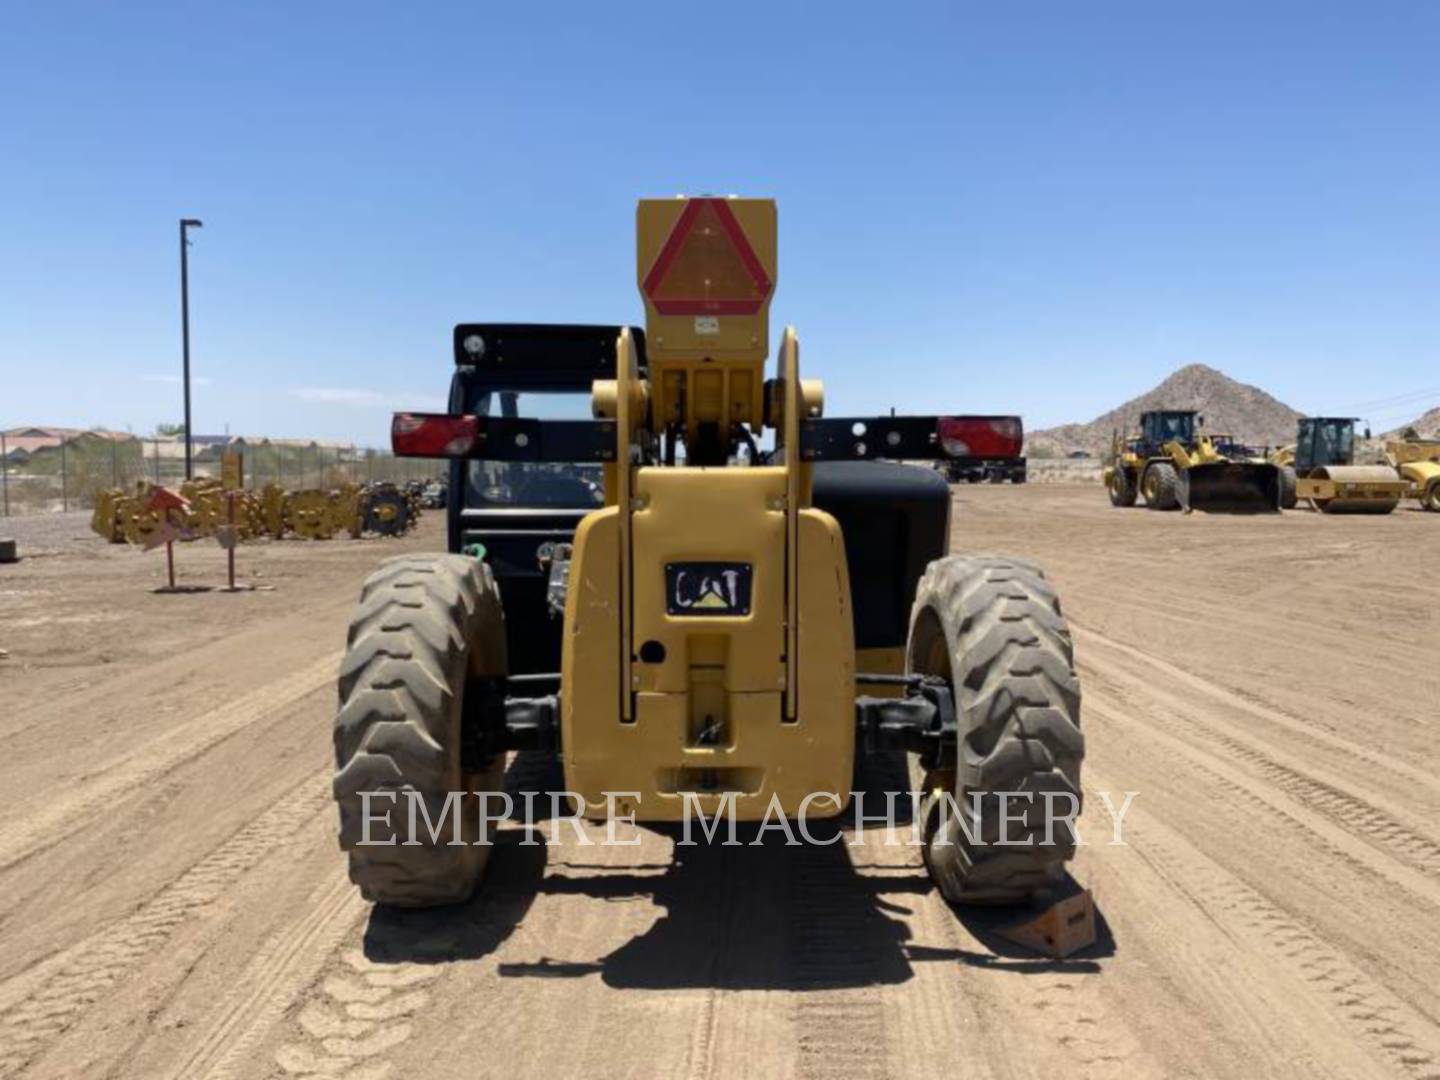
(1168, 425)
(518, 511)
(1323, 441)
(894, 518)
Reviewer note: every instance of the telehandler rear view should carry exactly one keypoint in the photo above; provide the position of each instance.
(687, 620)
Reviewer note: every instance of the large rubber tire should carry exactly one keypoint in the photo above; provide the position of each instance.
(1430, 497)
(1288, 498)
(1121, 488)
(993, 627)
(425, 625)
(1161, 486)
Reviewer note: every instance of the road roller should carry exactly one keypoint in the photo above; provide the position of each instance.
(1320, 470)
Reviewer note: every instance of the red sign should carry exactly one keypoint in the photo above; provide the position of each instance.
(707, 266)
(162, 500)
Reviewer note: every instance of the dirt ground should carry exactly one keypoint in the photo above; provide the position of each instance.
(172, 902)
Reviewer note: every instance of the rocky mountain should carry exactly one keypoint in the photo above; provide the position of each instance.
(1247, 412)
(1427, 426)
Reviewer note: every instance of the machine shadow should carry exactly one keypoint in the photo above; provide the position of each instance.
(513, 878)
(466, 931)
(756, 914)
(752, 915)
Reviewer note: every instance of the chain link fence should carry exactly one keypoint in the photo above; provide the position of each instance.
(67, 476)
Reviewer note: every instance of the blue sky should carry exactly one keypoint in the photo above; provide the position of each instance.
(1041, 208)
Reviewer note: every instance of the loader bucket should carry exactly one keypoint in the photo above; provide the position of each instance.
(1231, 487)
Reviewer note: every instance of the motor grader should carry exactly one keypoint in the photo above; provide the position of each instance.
(686, 620)
(1320, 469)
(1175, 465)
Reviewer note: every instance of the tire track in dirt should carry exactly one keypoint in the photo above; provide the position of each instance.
(705, 1032)
(1354, 814)
(100, 792)
(1355, 841)
(262, 993)
(1384, 840)
(1409, 912)
(1207, 616)
(1317, 737)
(934, 1017)
(1392, 1031)
(1050, 1004)
(839, 1023)
(1232, 1008)
(39, 1005)
(1050, 1014)
(359, 1011)
(702, 1041)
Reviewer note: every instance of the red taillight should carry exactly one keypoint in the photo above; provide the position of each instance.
(982, 436)
(432, 435)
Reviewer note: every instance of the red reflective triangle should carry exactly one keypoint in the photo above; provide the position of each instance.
(707, 266)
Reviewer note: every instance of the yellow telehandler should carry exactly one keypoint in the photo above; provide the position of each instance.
(687, 623)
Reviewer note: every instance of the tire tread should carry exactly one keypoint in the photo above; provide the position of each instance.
(413, 641)
(1017, 701)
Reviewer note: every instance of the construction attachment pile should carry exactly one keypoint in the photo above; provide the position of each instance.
(121, 514)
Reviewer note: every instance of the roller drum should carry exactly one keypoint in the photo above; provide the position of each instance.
(1385, 489)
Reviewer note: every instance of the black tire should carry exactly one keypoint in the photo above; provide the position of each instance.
(993, 627)
(425, 625)
(1288, 499)
(1161, 486)
(1430, 499)
(1121, 487)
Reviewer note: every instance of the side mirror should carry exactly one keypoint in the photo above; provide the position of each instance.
(1200, 420)
(1367, 432)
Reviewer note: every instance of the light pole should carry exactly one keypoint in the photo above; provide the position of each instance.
(186, 223)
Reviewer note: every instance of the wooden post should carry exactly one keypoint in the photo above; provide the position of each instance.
(230, 552)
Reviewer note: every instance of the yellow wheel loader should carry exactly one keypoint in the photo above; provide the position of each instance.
(1174, 466)
(688, 623)
(1320, 469)
(1418, 463)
